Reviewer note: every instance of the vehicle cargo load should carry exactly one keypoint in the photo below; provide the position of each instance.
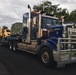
(16, 29)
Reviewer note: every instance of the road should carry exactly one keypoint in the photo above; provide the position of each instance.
(22, 63)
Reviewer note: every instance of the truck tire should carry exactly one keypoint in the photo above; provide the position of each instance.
(46, 57)
(11, 45)
(14, 46)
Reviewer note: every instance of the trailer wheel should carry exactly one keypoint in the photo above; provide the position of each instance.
(15, 47)
(11, 46)
(46, 57)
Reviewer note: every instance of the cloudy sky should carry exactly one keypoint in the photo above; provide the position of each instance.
(11, 11)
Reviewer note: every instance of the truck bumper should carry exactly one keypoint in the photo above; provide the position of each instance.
(64, 58)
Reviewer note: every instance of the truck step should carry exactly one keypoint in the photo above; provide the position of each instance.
(60, 66)
(26, 50)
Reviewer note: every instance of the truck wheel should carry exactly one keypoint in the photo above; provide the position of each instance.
(46, 57)
(11, 46)
(14, 46)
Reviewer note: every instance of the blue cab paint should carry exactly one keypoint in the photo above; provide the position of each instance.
(52, 39)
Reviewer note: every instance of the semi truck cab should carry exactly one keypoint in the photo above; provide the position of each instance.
(52, 41)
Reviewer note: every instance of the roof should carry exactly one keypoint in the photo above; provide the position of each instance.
(49, 16)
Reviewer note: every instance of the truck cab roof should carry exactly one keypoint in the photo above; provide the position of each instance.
(49, 16)
(33, 13)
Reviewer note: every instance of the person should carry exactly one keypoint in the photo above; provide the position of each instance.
(35, 27)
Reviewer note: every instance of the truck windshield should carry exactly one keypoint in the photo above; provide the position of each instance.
(49, 21)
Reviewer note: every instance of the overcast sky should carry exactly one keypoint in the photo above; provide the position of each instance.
(11, 11)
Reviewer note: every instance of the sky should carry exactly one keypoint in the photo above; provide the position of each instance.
(11, 11)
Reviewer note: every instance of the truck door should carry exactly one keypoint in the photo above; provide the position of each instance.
(34, 27)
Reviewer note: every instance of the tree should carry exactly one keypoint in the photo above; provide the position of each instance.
(72, 17)
(66, 14)
(46, 6)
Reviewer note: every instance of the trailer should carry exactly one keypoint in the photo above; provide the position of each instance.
(43, 35)
(4, 35)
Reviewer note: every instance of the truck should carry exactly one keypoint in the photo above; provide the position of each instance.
(42, 34)
(4, 35)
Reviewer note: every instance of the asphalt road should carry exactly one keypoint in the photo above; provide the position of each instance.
(22, 63)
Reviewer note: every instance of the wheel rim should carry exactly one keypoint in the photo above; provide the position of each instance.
(45, 57)
(10, 47)
(14, 48)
